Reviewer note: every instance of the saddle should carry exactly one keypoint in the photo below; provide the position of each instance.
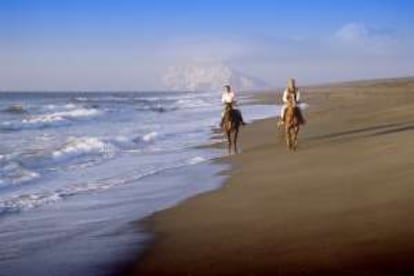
(233, 114)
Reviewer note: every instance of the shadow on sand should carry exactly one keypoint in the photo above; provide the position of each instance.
(377, 130)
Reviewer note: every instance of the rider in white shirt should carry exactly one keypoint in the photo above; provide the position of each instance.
(229, 97)
(291, 90)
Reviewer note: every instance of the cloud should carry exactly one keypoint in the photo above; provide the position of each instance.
(203, 49)
(353, 51)
(360, 37)
(352, 33)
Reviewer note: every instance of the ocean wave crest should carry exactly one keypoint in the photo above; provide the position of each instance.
(37, 199)
(79, 146)
(149, 136)
(192, 103)
(51, 119)
(12, 173)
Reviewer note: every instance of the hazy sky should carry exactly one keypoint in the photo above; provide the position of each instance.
(128, 45)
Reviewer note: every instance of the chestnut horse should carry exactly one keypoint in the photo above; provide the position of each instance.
(293, 120)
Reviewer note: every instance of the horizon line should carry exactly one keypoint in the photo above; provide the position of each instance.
(406, 77)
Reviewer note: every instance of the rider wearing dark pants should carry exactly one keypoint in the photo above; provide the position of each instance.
(228, 97)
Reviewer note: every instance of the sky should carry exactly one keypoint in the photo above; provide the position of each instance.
(129, 45)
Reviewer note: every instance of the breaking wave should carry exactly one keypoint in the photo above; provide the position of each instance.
(160, 104)
(149, 136)
(37, 199)
(15, 170)
(51, 119)
(79, 146)
(13, 173)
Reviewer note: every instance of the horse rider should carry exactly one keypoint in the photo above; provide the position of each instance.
(291, 93)
(228, 97)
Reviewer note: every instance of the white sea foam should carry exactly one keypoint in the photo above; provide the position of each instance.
(37, 199)
(40, 198)
(125, 143)
(78, 146)
(28, 201)
(42, 119)
(69, 106)
(13, 173)
(65, 106)
(149, 136)
(78, 113)
(51, 119)
(81, 99)
(196, 160)
(122, 141)
(193, 103)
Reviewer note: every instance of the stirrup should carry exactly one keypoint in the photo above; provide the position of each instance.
(280, 123)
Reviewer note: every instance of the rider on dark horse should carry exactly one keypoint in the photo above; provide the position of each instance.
(229, 100)
(291, 93)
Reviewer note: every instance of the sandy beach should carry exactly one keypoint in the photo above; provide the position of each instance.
(342, 204)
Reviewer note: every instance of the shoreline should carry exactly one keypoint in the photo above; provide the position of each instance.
(216, 143)
(338, 214)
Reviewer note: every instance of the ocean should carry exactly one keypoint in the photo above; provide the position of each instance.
(78, 171)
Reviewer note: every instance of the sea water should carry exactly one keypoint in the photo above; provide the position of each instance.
(77, 170)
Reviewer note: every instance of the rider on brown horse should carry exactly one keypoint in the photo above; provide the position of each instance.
(291, 93)
(229, 100)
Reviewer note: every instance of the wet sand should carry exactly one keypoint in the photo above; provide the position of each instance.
(342, 204)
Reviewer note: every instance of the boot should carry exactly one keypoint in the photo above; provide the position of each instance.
(238, 112)
(280, 122)
(222, 122)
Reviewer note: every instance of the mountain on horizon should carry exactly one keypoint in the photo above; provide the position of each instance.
(208, 77)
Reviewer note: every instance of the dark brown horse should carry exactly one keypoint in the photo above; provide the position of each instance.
(231, 124)
(293, 120)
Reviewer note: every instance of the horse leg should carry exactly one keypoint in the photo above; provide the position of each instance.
(292, 138)
(295, 142)
(287, 137)
(236, 134)
(228, 133)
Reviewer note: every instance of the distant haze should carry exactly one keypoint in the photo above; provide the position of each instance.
(208, 77)
(158, 45)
